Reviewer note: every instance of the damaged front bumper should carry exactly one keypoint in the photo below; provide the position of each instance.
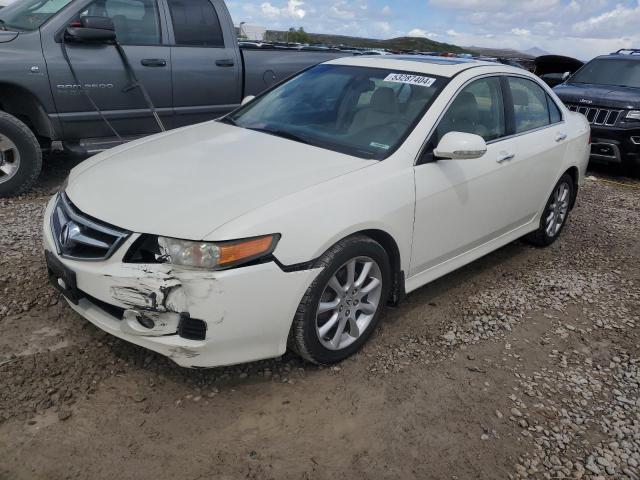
(197, 318)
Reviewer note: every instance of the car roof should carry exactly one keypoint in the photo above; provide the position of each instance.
(618, 56)
(442, 66)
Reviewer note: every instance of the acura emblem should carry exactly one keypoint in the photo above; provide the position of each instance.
(69, 232)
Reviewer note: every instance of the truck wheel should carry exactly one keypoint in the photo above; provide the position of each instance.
(20, 156)
(631, 169)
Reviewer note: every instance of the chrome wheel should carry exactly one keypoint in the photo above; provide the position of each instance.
(558, 210)
(349, 303)
(9, 159)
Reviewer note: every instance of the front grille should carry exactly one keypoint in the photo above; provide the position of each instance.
(80, 237)
(597, 115)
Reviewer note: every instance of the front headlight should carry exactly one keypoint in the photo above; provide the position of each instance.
(216, 255)
(633, 115)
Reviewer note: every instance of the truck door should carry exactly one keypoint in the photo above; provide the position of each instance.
(206, 60)
(140, 27)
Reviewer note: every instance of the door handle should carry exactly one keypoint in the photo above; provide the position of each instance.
(561, 137)
(153, 62)
(225, 63)
(505, 157)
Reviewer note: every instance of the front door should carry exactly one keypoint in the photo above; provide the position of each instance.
(207, 67)
(139, 28)
(463, 204)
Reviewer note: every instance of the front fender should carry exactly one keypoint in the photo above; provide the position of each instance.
(381, 197)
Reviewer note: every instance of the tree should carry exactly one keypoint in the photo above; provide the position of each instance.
(298, 36)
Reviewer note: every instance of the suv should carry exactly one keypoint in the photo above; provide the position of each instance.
(607, 91)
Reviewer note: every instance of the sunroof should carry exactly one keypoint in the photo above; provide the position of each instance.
(429, 59)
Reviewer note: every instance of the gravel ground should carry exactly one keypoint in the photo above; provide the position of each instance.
(525, 364)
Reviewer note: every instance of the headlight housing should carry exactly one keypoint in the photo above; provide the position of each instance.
(633, 115)
(216, 255)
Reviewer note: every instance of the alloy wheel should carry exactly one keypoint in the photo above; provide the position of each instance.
(349, 303)
(558, 210)
(9, 159)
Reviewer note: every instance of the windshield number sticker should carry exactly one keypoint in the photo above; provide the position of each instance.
(410, 79)
(379, 145)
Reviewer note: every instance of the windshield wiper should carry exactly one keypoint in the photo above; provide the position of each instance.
(282, 134)
(229, 121)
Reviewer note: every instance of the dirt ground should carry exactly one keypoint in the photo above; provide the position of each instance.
(525, 364)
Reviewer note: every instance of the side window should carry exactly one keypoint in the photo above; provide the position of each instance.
(196, 23)
(136, 21)
(554, 112)
(478, 109)
(530, 105)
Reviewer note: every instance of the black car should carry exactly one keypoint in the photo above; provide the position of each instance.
(607, 91)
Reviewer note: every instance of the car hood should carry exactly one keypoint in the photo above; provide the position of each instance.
(600, 95)
(188, 182)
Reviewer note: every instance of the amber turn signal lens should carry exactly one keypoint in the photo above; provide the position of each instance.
(243, 250)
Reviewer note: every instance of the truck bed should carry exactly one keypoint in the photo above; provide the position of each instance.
(263, 68)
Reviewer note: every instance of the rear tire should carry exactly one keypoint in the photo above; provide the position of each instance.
(555, 215)
(334, 320)
(630, 169)
(20, 156)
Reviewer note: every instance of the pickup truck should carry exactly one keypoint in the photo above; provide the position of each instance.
(607, 91)
(184, 52)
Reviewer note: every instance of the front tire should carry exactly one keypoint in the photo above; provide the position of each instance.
(20, 156)
(555, 213)
(342, 307)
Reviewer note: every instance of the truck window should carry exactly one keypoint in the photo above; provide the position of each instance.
(30, 14)
(136, 21)
(196, 23)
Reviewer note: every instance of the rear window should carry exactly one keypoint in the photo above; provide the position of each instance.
(196, 23)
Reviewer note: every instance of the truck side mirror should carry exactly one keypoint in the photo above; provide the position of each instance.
(92, 30)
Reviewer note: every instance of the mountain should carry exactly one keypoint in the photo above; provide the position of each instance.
(536, 52)
(401, 43)
(500, 52)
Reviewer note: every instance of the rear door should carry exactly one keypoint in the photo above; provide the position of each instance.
(542, 134)
(140, 28)
(207, 68)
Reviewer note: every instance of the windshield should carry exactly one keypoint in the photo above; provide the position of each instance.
(365, 112)
(620, 72)
(29, 14)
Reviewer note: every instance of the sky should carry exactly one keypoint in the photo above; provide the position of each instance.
(578, 28)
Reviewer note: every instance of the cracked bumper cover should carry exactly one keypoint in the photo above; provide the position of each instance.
(248, 311)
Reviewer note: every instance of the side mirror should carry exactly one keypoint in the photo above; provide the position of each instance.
(92, 30)
(248, 99)
(460, 146)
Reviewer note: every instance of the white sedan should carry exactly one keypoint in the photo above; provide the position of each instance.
(293, 221)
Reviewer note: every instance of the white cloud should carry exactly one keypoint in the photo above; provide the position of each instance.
(419, 32)
(292, 9)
